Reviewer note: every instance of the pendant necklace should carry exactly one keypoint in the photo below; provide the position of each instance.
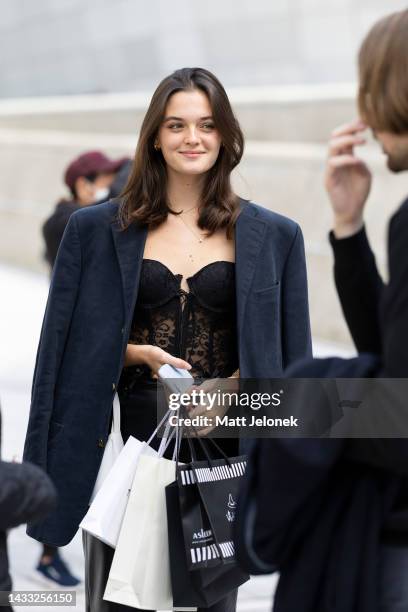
(200, 238)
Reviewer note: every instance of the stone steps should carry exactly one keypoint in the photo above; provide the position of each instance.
(304, 113)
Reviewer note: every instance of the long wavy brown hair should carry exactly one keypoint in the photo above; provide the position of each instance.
(144, 198)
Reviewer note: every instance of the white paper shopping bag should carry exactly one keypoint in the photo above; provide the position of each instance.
(105, 515)
(113, 448)
(140, 571)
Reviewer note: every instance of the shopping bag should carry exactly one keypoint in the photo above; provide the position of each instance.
(208, 492)
(105, 515)
(201, 587)
(114, 446)
(140, 571)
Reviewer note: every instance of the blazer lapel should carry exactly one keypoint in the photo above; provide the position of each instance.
(249, 237)
(129, 246)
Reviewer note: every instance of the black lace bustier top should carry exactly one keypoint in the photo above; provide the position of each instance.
(198, 325)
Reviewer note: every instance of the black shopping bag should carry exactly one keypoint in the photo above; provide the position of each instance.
(201, 587)
(208, 492)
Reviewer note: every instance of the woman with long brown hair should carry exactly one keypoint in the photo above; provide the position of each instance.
(178, 270)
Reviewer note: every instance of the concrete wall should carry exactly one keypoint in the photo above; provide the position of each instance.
(50, 47)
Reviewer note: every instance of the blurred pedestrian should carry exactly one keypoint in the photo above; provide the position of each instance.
(26, 494)
(339, 535)
(121, 178)
(89, 179)
(180, 271)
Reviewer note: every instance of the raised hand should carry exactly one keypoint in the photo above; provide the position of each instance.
(347, 179)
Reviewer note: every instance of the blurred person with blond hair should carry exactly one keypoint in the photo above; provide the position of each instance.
(339, 533)
(377, 313)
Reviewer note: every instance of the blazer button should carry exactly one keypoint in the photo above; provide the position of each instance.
(113, 387)
(101, 443)
(122, 331)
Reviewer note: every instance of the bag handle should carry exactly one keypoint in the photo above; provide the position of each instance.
(167, 436)
(203, 446)
(160, 425)
(115, 428)
(202, 442)
(176, 450)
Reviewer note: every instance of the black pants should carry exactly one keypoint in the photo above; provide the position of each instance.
(98, 559)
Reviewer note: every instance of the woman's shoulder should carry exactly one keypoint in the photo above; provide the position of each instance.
(274, 220)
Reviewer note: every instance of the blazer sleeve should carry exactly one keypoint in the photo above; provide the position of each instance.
(60, 306)
(296, 334)
(359, 287)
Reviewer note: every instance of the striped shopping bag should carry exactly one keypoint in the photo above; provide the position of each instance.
(208, 493)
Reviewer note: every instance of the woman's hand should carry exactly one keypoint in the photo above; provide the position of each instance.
(152, 356)
(212, 386)
(347, 180)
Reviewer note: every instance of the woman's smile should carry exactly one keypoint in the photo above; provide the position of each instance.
(192, 154)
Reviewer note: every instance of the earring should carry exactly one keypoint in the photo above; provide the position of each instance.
(156, 146)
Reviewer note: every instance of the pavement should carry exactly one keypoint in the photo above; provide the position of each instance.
(21, 312)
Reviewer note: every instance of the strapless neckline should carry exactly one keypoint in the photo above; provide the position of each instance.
(179, 276)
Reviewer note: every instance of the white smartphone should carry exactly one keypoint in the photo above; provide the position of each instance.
(177, 380)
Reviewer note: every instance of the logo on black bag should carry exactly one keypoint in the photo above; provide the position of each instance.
(202, 536)
(232, 504)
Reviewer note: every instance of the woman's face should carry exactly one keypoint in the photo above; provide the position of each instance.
(188, 139)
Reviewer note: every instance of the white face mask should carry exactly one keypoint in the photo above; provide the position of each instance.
(101, 194)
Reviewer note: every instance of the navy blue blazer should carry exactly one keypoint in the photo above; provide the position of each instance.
(86, 328)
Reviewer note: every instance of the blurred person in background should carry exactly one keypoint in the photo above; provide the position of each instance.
(180, 270)
(339, 538)
(26, 495)
(91, 178)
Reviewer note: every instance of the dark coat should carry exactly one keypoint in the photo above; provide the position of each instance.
(54, 227)
(86, 328)
(309, 512)
(344, 498)
(377, 317)
(376, 313)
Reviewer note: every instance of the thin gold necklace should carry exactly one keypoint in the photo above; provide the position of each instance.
(183, 212)
(200, 238)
